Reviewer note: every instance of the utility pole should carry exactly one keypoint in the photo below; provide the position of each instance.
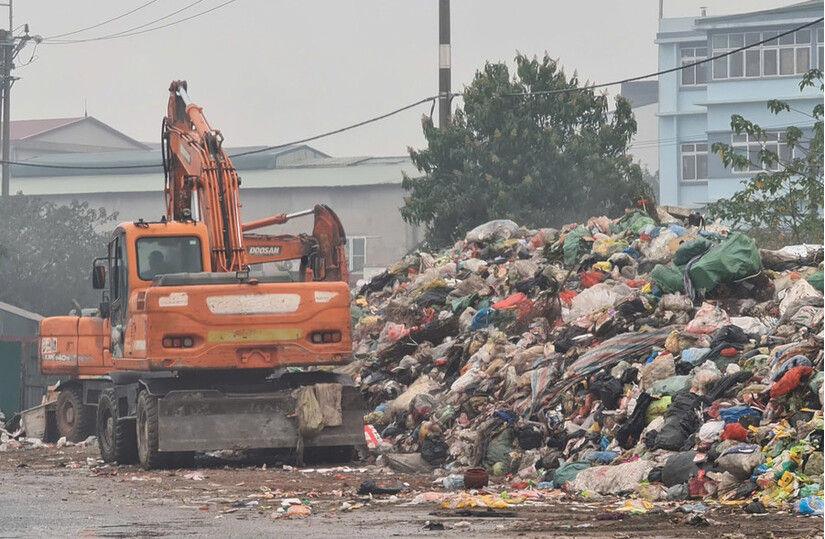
(10, 47)
(7, 42)
(443, 63)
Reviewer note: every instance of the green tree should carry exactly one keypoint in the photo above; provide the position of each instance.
(48, 253)
(783, 200)
(540, 160)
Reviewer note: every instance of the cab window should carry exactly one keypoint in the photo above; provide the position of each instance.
(162, 255)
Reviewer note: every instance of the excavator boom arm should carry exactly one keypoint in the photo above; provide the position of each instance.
(197, 167)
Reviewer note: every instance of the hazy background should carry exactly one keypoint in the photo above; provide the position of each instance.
(273, 71)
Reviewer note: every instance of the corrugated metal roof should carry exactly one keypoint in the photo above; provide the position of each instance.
(142, 160)
(20, 129)
(368, 171)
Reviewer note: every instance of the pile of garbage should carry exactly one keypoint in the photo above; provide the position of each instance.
(652, 355)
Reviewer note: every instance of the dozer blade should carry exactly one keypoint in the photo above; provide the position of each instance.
(204, 420)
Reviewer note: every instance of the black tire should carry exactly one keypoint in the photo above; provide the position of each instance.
(115, 436)
(147, 434)
(75, 420)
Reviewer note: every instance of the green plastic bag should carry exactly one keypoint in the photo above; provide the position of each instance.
(670, 279)
(672, 385)
(499, 449)
(572, 245)
(657, 408)
(690, 249)
(640, 223)
(816, 280)
(735, 258)
(568, 472)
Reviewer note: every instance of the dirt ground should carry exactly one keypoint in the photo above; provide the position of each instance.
(50, 492)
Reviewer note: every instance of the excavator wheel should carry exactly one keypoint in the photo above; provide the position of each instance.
(116, 437)
(147, 434)
(75, 420)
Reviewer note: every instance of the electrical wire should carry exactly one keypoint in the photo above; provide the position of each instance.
(411, 105)
(666, 71)
(130, 32)
(251, 152)
(98, 25)
(32, 58)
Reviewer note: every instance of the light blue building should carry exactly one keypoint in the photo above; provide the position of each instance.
(696, 104)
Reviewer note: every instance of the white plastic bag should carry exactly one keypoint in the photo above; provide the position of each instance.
(596, 297)
(708, 319)
(612, 479)
(493, 230)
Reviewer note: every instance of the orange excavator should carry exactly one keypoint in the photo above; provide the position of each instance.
(201, 324)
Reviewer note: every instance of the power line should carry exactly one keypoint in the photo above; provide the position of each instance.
(666, 71)
(251, 152)
(129, 32)
(406, 107)
(104, 22)
(341, 130)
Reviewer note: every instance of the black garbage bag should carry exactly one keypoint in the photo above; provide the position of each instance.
(629, 376)
(684, 367)
(650, 438)
(628, 434)
(755, 508)
(433, 297)
(679, 468)
(369, 487)
(730, 335)
(435, 452)
(607, 389)
(680, 421)
(391, 431)
(529, 436)
(629, 308)
(655, 475)
(378, 282)
(565, 341)
(745, 490)
(727, 386)
(540, 281)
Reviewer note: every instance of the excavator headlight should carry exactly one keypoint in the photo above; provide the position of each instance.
(188, 342)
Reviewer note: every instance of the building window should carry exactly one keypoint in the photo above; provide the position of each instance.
(694, 162)
(784, 56)
(750, 147)
(357, 254)
(819, 62)
(698, 74)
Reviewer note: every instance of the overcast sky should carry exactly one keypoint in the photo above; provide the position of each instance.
(269, 72)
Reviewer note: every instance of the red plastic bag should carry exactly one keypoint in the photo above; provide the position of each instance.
(592, 278)
(566, 296)
(699, 487)
(734, 431)
(513, 301)
(790, 381)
